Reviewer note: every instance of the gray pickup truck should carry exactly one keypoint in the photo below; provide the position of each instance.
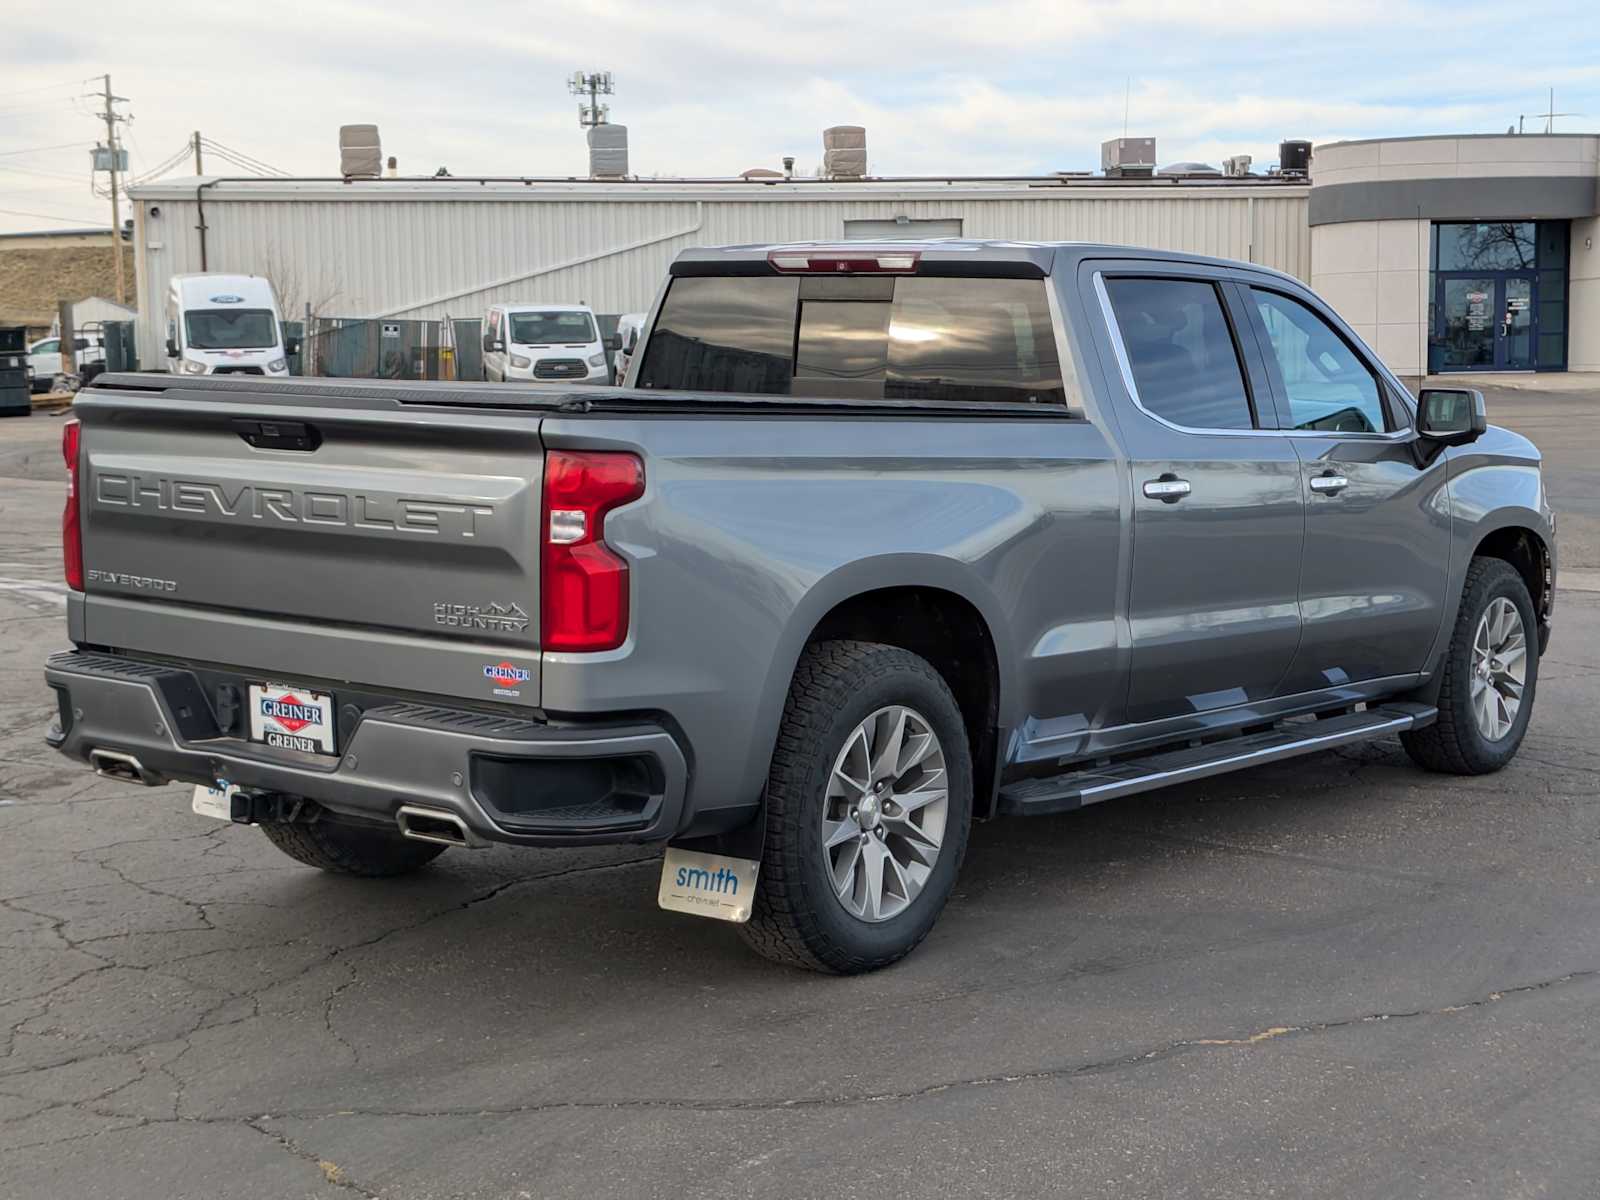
(874, 541)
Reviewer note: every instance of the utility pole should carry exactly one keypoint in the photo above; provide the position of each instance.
(195, 142)
(111, 117)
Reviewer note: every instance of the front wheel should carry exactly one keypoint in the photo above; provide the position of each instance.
(1490, 673)
(868, 804)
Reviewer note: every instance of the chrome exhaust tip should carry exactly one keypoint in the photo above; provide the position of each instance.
(435, 825)
(114, 764)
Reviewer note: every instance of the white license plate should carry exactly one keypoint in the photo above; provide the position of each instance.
(292, 718)
(708, 885)
(214, 801)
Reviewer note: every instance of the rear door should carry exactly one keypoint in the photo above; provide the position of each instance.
(1218, 508)
(1377, 534)
(365, 543)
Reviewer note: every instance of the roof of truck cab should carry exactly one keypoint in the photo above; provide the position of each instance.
(947, 255)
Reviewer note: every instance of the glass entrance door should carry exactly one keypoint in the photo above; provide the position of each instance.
(1516, 323)
(1484, 322)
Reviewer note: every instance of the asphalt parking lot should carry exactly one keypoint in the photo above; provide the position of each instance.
(1334, 977)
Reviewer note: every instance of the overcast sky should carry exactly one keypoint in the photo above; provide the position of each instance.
(708, 87)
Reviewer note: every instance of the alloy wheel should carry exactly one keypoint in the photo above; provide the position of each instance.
(1499, 668)
(883, 820)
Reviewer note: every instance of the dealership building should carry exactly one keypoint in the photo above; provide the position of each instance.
(1446, 254)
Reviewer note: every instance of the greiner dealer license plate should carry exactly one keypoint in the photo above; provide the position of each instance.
(294, 718)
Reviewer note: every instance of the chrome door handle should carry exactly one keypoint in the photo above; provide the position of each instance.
(1169, 489)
(1329, 484)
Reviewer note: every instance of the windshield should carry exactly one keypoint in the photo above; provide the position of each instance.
(554, 328)
(231, 329)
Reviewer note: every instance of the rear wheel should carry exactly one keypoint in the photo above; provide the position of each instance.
(1490, 673)
(868, 804)
(372, 852)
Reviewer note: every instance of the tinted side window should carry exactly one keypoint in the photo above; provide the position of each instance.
(724, 335)
(1184, 360)
(1328, 387)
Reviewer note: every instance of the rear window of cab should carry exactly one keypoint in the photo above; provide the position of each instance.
(857, 338)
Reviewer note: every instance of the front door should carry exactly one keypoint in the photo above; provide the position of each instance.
(1484, 321)
(1377, 544)
(1218, 508)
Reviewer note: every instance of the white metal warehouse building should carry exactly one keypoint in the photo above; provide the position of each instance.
(1472, 252)
(430, 249)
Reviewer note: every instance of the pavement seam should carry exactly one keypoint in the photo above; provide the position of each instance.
(1073, 1070)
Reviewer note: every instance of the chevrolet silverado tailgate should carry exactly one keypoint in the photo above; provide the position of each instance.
(349, 538)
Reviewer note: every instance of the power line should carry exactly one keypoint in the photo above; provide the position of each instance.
(44, 87)
(240, 159)
(17, 212)
(166, 164)
(42, 149)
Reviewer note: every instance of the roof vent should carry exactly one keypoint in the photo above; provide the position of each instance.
(1237, 166)
(608, 151)
(1188, 168)
(844, 151)
(360, 155)
(1128, 158)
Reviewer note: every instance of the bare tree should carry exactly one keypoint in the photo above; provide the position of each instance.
(298, 297)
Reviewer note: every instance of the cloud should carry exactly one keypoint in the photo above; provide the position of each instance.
(710, 87)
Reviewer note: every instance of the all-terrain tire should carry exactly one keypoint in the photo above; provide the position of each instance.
(796, 918)
(350, 849)
(1454, 744)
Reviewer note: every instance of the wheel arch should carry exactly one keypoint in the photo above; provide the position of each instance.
(931, 606)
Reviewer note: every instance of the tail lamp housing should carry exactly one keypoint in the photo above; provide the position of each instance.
(583, 582)
(71, 529)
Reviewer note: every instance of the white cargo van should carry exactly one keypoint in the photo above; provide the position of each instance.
(556, 342)
(629, 328)
(224, 325)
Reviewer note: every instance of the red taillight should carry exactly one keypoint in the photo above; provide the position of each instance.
(583, 582)
(71, 534)
(880, 262)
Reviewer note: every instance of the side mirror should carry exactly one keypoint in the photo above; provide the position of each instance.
(1451, 416)
(630, 341)
(291, 345)
(497, 346)
(172, 348)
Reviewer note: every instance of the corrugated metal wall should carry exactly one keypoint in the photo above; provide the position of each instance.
(454, 255)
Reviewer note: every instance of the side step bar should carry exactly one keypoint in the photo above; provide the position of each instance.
(1091, 784)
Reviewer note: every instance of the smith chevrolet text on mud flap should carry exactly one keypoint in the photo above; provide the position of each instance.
(873, 541)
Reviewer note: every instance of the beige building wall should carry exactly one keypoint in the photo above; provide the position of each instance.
(1583, 301)
(1369, 254)
(1375, 274)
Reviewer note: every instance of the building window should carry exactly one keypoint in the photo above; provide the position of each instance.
(1498, 296)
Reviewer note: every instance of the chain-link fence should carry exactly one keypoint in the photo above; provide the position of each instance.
(387, 348)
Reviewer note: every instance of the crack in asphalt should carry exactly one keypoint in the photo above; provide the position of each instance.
(229, 996)
(1069, 1071)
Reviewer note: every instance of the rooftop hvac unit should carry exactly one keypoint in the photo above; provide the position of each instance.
(1294, 158)
(1127, 157)
(844, 151)
(608, 151)
(360, 155)
(1236, 167)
